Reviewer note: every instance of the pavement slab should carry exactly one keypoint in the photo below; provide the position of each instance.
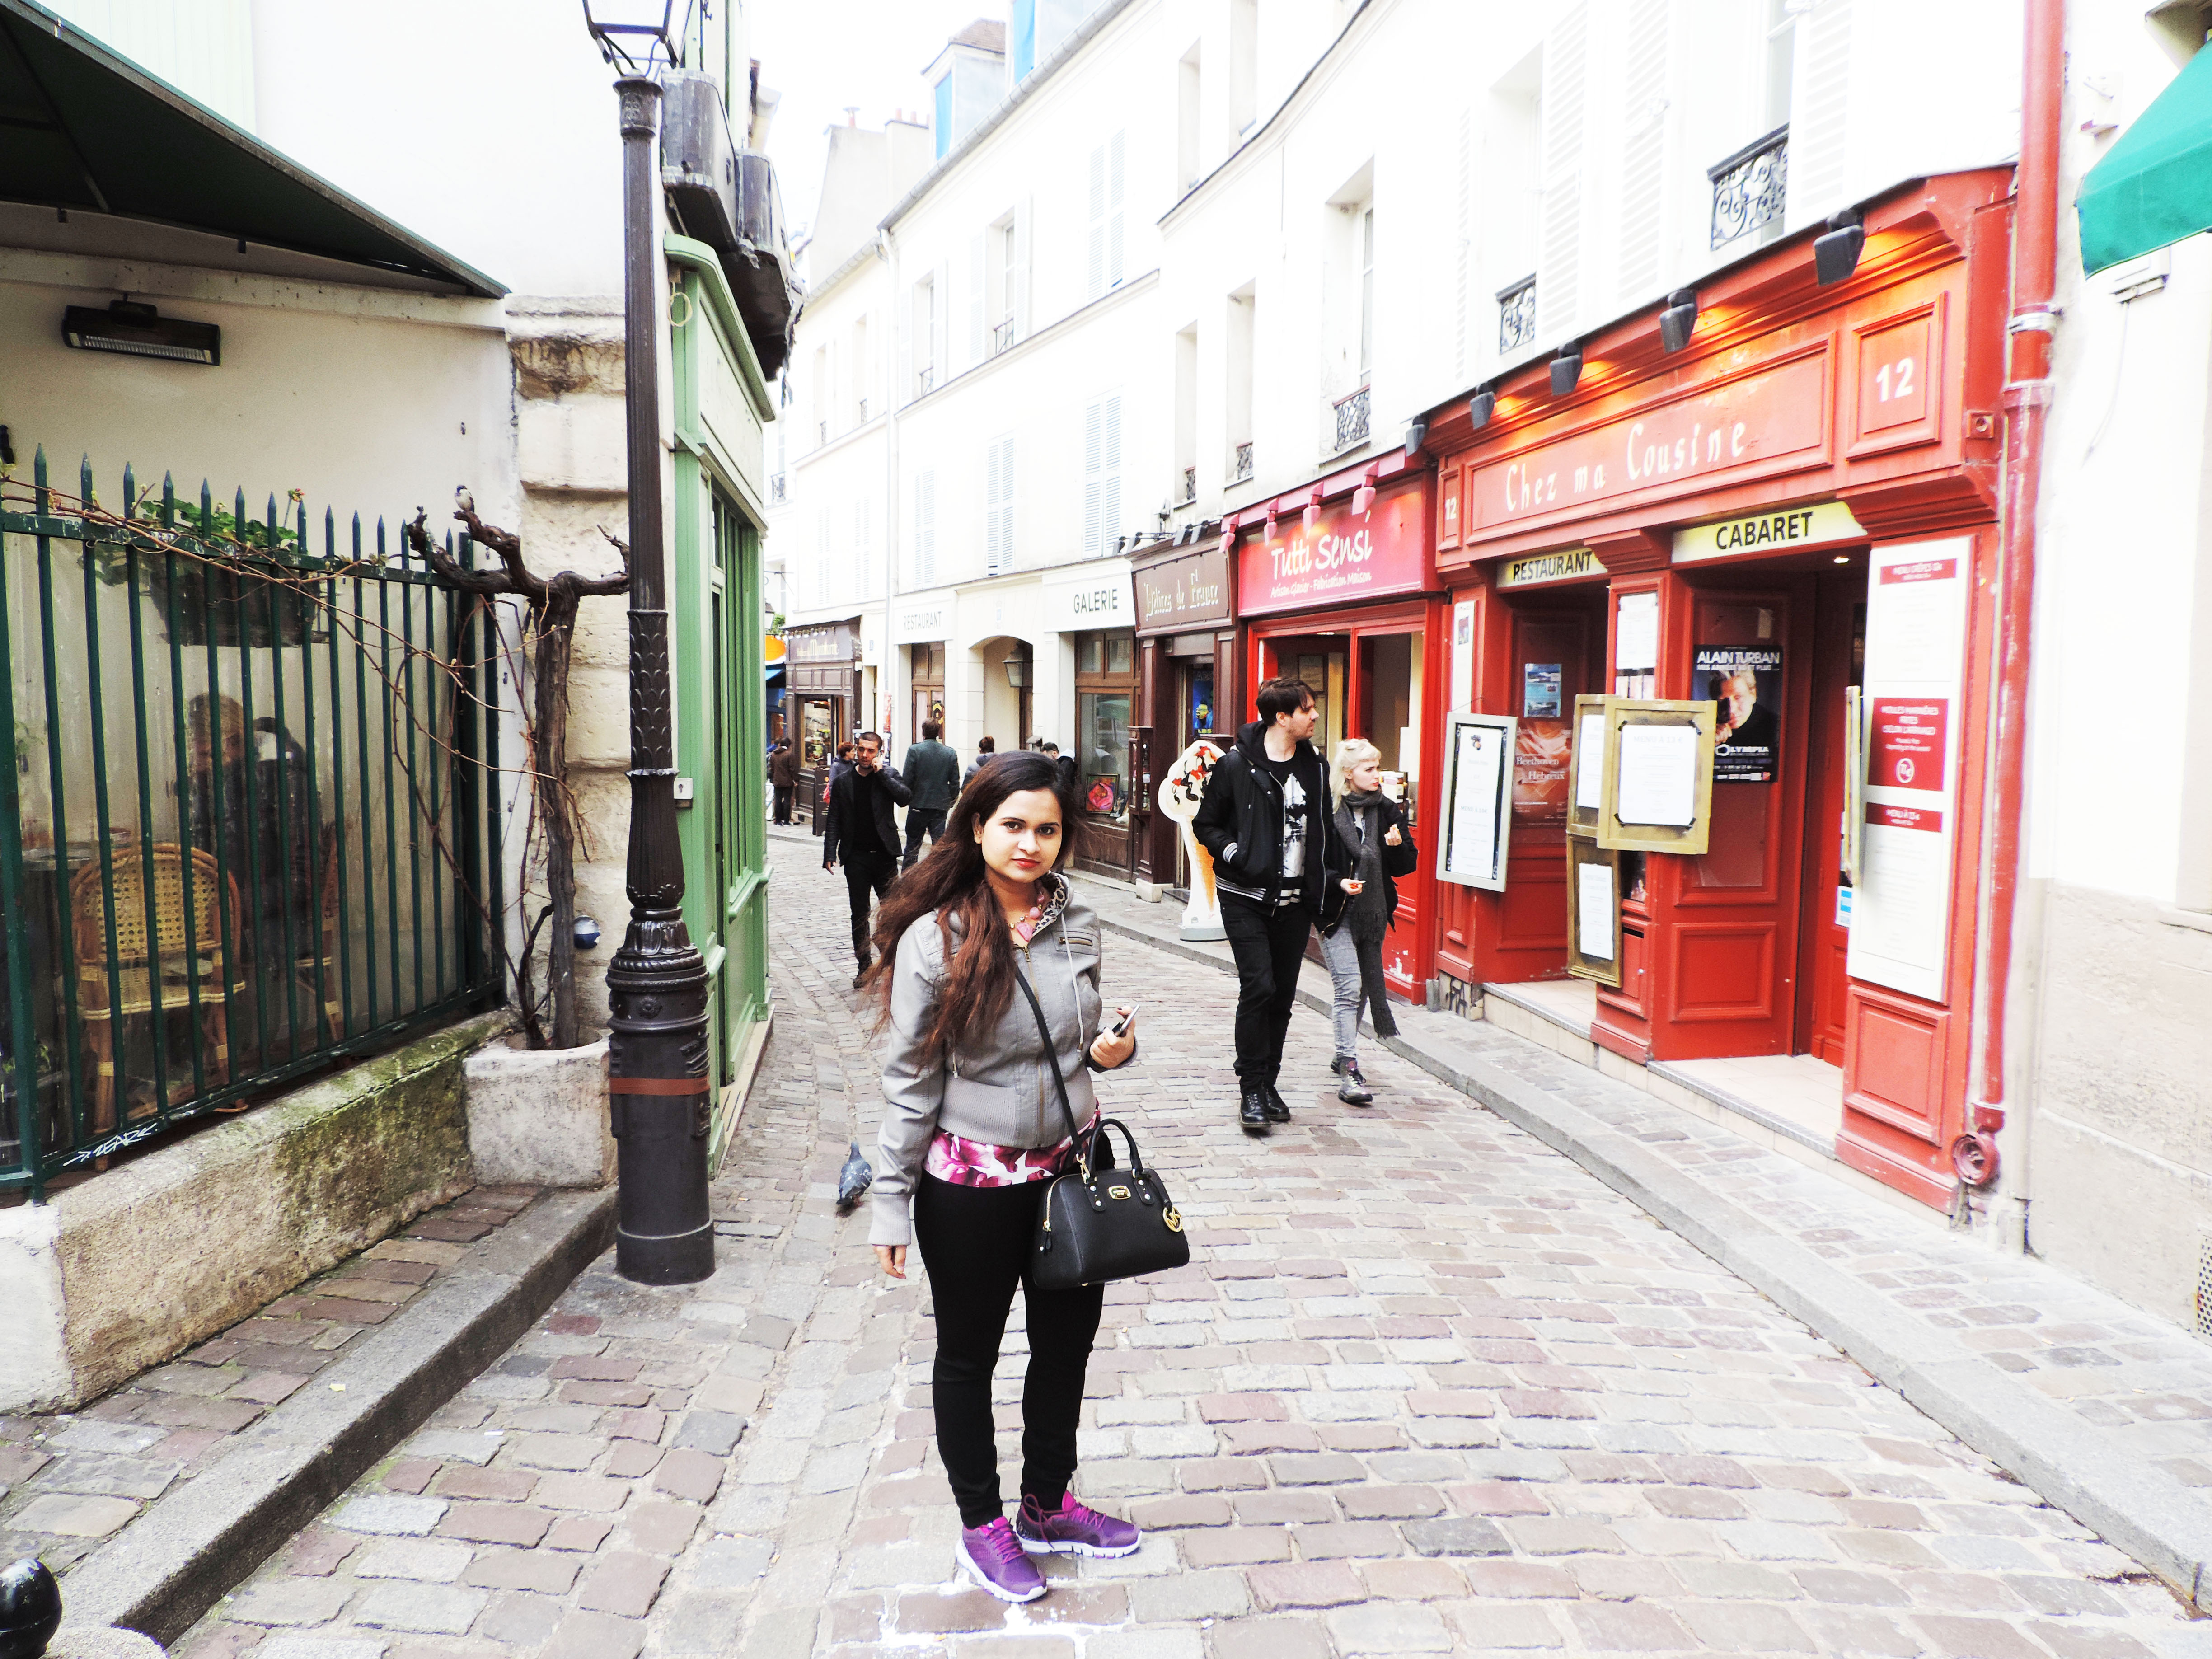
(1429, 1386)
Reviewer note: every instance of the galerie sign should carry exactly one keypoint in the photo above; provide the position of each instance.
(1346, 558)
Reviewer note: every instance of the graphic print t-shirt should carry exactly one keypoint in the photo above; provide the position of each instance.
(1285, 772)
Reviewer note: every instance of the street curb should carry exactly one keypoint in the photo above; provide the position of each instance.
(2126, 1500)
(186, 1552)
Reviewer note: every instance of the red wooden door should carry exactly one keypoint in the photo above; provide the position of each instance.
(1824, 982)
(1557, 653)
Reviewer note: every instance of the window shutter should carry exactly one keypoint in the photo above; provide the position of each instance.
(1110, 468)
(1643, 164)
(1094, 279)
(979, 282)
(1093, 461)
(1117, 180)
(1819, 120)
(925, 529)
(1017, 278)
(998, 511)
(1558, 265)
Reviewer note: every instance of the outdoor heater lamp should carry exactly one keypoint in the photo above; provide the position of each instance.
(1481, 407)
(1680, 317)
(1566, 369)
(1836, 254)
(132, 330)
(659, 1093)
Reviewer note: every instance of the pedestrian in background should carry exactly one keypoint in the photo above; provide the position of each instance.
(783, 773)
(1265, 817)
(861, 830)
(1065, 763)
(966, 1140)
(1365, 908)
(932, 773)
(985, 747)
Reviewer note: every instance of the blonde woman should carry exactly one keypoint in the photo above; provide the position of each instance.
(1380, 850)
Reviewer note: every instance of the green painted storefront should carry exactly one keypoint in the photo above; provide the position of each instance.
(715, 640)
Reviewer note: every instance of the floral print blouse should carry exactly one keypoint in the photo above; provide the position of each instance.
(967, 1162)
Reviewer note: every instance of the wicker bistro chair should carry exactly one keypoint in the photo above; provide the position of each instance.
(317, 964)
(137, 960)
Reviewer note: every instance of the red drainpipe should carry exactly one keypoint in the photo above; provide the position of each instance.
(2026, 401)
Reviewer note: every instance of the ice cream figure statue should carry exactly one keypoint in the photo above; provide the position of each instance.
(1180, 791)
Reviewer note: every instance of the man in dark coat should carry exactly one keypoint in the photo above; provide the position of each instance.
(783, 773)
(932, 772)
(1064, 764)
(1267, 822)
(860, 828)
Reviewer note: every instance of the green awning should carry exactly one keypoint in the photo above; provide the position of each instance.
(85, 130)
(2154, 187)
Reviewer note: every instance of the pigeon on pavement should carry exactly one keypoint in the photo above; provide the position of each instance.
(853, 1179)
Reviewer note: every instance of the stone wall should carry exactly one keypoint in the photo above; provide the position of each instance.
(2120, 1174)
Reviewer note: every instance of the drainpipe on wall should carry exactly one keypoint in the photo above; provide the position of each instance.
(2028, 404)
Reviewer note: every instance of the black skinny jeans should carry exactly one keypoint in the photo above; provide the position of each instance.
(1268, 945)
(864, 871)
(976, 1242)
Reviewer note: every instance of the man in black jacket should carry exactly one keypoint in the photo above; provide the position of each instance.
(860, 827)
(932, 772)
(1265, 820)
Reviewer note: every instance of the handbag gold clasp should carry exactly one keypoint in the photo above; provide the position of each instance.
(1173, 1219)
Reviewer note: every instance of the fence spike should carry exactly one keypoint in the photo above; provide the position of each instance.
(330, 532)
(129, 491)
(39, 480)
(206, 509)
(168, 500)
(84, 480)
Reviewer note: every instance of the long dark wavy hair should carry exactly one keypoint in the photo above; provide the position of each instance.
(979, 976)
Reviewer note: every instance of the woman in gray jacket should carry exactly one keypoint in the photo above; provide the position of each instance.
(971, 1123)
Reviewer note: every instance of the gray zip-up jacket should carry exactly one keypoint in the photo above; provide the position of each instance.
(995, 1088)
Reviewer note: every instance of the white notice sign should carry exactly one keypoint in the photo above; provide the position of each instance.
(1477, 766)
(1915, 642)
(1590, 763)
(1658, 775)
(1595, 900)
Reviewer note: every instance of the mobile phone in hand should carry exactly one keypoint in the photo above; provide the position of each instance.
(1124, 1023)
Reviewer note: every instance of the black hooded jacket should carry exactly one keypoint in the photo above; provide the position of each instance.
(1239, 822)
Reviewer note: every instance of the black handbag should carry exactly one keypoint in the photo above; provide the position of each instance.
(1100, 1224)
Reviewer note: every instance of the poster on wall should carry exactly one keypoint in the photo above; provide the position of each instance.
(1479, 752)
(1915, 642)
(1745, 682)
(1539, 772)
(1540, 690)
(1462, 654)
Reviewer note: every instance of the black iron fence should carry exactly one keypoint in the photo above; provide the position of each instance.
(249, 822)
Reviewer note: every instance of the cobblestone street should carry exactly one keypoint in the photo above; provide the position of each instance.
(1427, 1388)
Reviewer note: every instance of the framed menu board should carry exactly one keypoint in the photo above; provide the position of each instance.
(1479, 755)
(1593, 912)
(1586, 765)
(1657, 791)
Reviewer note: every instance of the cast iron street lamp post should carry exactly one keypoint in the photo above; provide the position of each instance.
(657, 981)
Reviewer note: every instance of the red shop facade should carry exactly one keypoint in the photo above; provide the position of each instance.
(1336, 585)
(1798, 503)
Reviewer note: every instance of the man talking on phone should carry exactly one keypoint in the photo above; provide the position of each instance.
(861, 829)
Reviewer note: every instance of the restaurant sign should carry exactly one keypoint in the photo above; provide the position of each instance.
(1549, 567)
(1345, 559)
(1761, 423)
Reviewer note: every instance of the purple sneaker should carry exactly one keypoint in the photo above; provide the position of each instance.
(993, 1557)
(1073, 1528)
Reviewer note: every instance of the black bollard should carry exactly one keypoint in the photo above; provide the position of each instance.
(30, 1610)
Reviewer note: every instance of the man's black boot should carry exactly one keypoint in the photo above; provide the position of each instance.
(1278, 1109)
(1252, 1116)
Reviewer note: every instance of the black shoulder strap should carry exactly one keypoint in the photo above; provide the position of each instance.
(1051, 1052)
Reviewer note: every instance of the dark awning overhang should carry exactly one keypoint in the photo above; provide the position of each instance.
(2155, 186)
(82, 128)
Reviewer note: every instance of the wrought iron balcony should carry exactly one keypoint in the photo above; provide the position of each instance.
(1002, 335)
(1190, 483)
(1351, 421)
(1749, 188)
(924, 379)
(775, 489)
(864, 411)
(1244, 463)
(1517, 316)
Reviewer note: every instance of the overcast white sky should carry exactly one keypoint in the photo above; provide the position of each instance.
(824, 54)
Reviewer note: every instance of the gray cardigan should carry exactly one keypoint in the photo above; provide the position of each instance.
(995, 1090)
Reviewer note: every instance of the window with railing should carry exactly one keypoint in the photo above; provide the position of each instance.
(822, 435)
(256, 823)
(1002, 335)
(1517, 316)
(864, 411)
(1243, 467)
(1351, 420)
(924, 379)
(775, 487)
(1749, 189)
(1189, 485)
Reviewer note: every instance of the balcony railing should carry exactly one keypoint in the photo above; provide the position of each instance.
(1002, 335)
(1243, 467)
(1749, 188)
(925, 378)
(1189, 486)
(775, 489)
(864, 411)
(1517, 316)
(1351, 421)
(255, 822)
(822, 435)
